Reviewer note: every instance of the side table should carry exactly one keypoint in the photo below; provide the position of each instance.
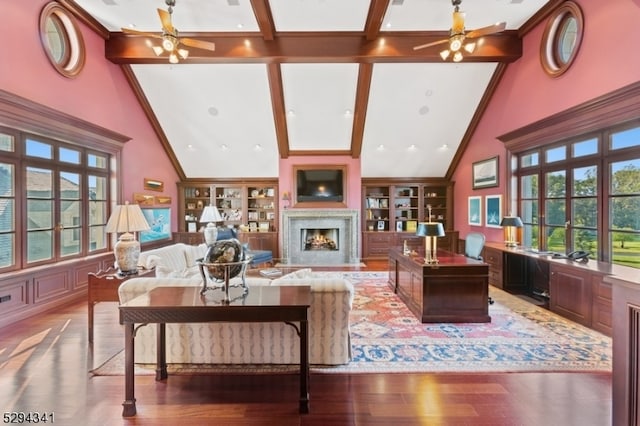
(103, 287)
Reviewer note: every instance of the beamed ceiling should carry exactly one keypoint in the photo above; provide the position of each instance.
(312, 77)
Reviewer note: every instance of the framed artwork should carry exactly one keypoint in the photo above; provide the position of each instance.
(485, 173)
(381, 225)
(493, 210)
(153, 185)
(143, 199)
(475, 211)
(159, 220)
(399, 226)
(162, 200)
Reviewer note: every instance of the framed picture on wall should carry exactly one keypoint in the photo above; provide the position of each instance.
(159, 220)
(475, 211)
(485, 173)
(493, 210)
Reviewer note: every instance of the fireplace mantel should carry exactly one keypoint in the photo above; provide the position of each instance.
(294, 221)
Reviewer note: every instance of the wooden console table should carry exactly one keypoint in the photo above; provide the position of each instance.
(103, 287)
(454, 290)
(162, 305)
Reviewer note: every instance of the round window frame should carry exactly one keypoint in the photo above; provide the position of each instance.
(554, 35)
(72, 59)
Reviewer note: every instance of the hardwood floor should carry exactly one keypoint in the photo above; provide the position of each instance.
(44, 365)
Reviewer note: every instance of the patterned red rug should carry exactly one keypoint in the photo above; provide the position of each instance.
(387, 338)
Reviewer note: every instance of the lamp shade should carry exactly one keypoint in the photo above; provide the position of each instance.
(511, 221)
(125, 219)
(430, 229)
(210, 214)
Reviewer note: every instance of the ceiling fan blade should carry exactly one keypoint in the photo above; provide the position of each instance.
(200, 44)
(165, 18)
(142, 33)
(491, 29)
(435, 43)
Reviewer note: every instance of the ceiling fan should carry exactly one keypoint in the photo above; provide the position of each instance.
(459, 39)
(170, 39)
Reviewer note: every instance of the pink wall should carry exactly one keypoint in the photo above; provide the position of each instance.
(99, 95)
(526, 94)
(286, 181)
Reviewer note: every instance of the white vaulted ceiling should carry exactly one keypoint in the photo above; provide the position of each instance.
(297, 77)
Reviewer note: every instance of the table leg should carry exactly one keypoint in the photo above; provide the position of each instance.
(161, 348)
(129, 404)
(304, 366)
(91, 322)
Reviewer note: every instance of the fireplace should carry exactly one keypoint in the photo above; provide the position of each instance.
(320, 237)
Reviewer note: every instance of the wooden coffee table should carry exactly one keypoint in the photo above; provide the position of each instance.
(162, 305)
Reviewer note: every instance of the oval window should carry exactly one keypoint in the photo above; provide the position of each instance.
(61, 40)
(561, 39)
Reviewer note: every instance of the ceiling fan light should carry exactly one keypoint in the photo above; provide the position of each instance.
(458, 22)
(470, 47)
(173, 58)
(445, 54)
(168, 43)
(184, 53)
(456, 42)
(457, 57)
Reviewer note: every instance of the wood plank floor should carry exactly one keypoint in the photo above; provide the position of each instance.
(44, 364)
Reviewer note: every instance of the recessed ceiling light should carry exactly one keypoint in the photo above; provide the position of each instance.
(380, 147)
(428, 92)
(240, 26)
(412, 147)
(213, 111)
(347, 112)
(424, 110)
(224, 147)
(247, 43)
(258, 147)
(291, 113)
(388, 25)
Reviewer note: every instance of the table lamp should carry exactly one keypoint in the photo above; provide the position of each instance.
(510, 223)
(124, 220)
(430, 231)
(211, 215)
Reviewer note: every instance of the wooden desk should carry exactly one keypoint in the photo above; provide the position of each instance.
(103, 287)
(162, 305)
(454, 290)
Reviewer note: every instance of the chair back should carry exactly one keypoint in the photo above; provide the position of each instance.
(473, 245)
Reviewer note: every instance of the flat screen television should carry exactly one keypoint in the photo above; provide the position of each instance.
(320, 185)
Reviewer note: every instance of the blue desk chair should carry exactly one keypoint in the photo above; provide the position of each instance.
(473, 245)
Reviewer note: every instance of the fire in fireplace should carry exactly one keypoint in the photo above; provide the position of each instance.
(320, 239)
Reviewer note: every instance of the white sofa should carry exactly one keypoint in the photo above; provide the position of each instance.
(173, 261)
(254, 343)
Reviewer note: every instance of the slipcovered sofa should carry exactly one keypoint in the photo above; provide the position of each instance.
(254, 343)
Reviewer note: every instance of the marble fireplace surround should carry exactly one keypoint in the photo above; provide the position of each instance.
(294, 221)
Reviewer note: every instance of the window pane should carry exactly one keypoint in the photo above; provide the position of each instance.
(589, 147)
(555, 212)
(626, 138)
(625, 177)
(585, 181)
(70, 213)
(97, 238)
(624, 213)
(625, 249)
(530, 236)
(7, 144)
(97, 161)
(70, 242)
(39, 214)
(586, 240)
(39, 246)
(39, 183)
(556, 154)
(7, 243)
(7, 184)
(69, 155)
(97, 187)
(556, 239)
(529, 186)
(585, 212)
(529, 211)
(529, 160)
(39, 149)
(556, 184)
(97, 212)
(69, 186)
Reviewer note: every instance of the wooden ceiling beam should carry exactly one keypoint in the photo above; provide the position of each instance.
(123, 48)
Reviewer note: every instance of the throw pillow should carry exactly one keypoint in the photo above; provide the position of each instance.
(300, 273)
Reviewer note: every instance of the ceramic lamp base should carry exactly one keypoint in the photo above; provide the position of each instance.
(210, 234)
(127, 253)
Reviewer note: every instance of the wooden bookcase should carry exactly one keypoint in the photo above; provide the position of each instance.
(392, 209)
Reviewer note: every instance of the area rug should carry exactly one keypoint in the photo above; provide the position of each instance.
(387, 338)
